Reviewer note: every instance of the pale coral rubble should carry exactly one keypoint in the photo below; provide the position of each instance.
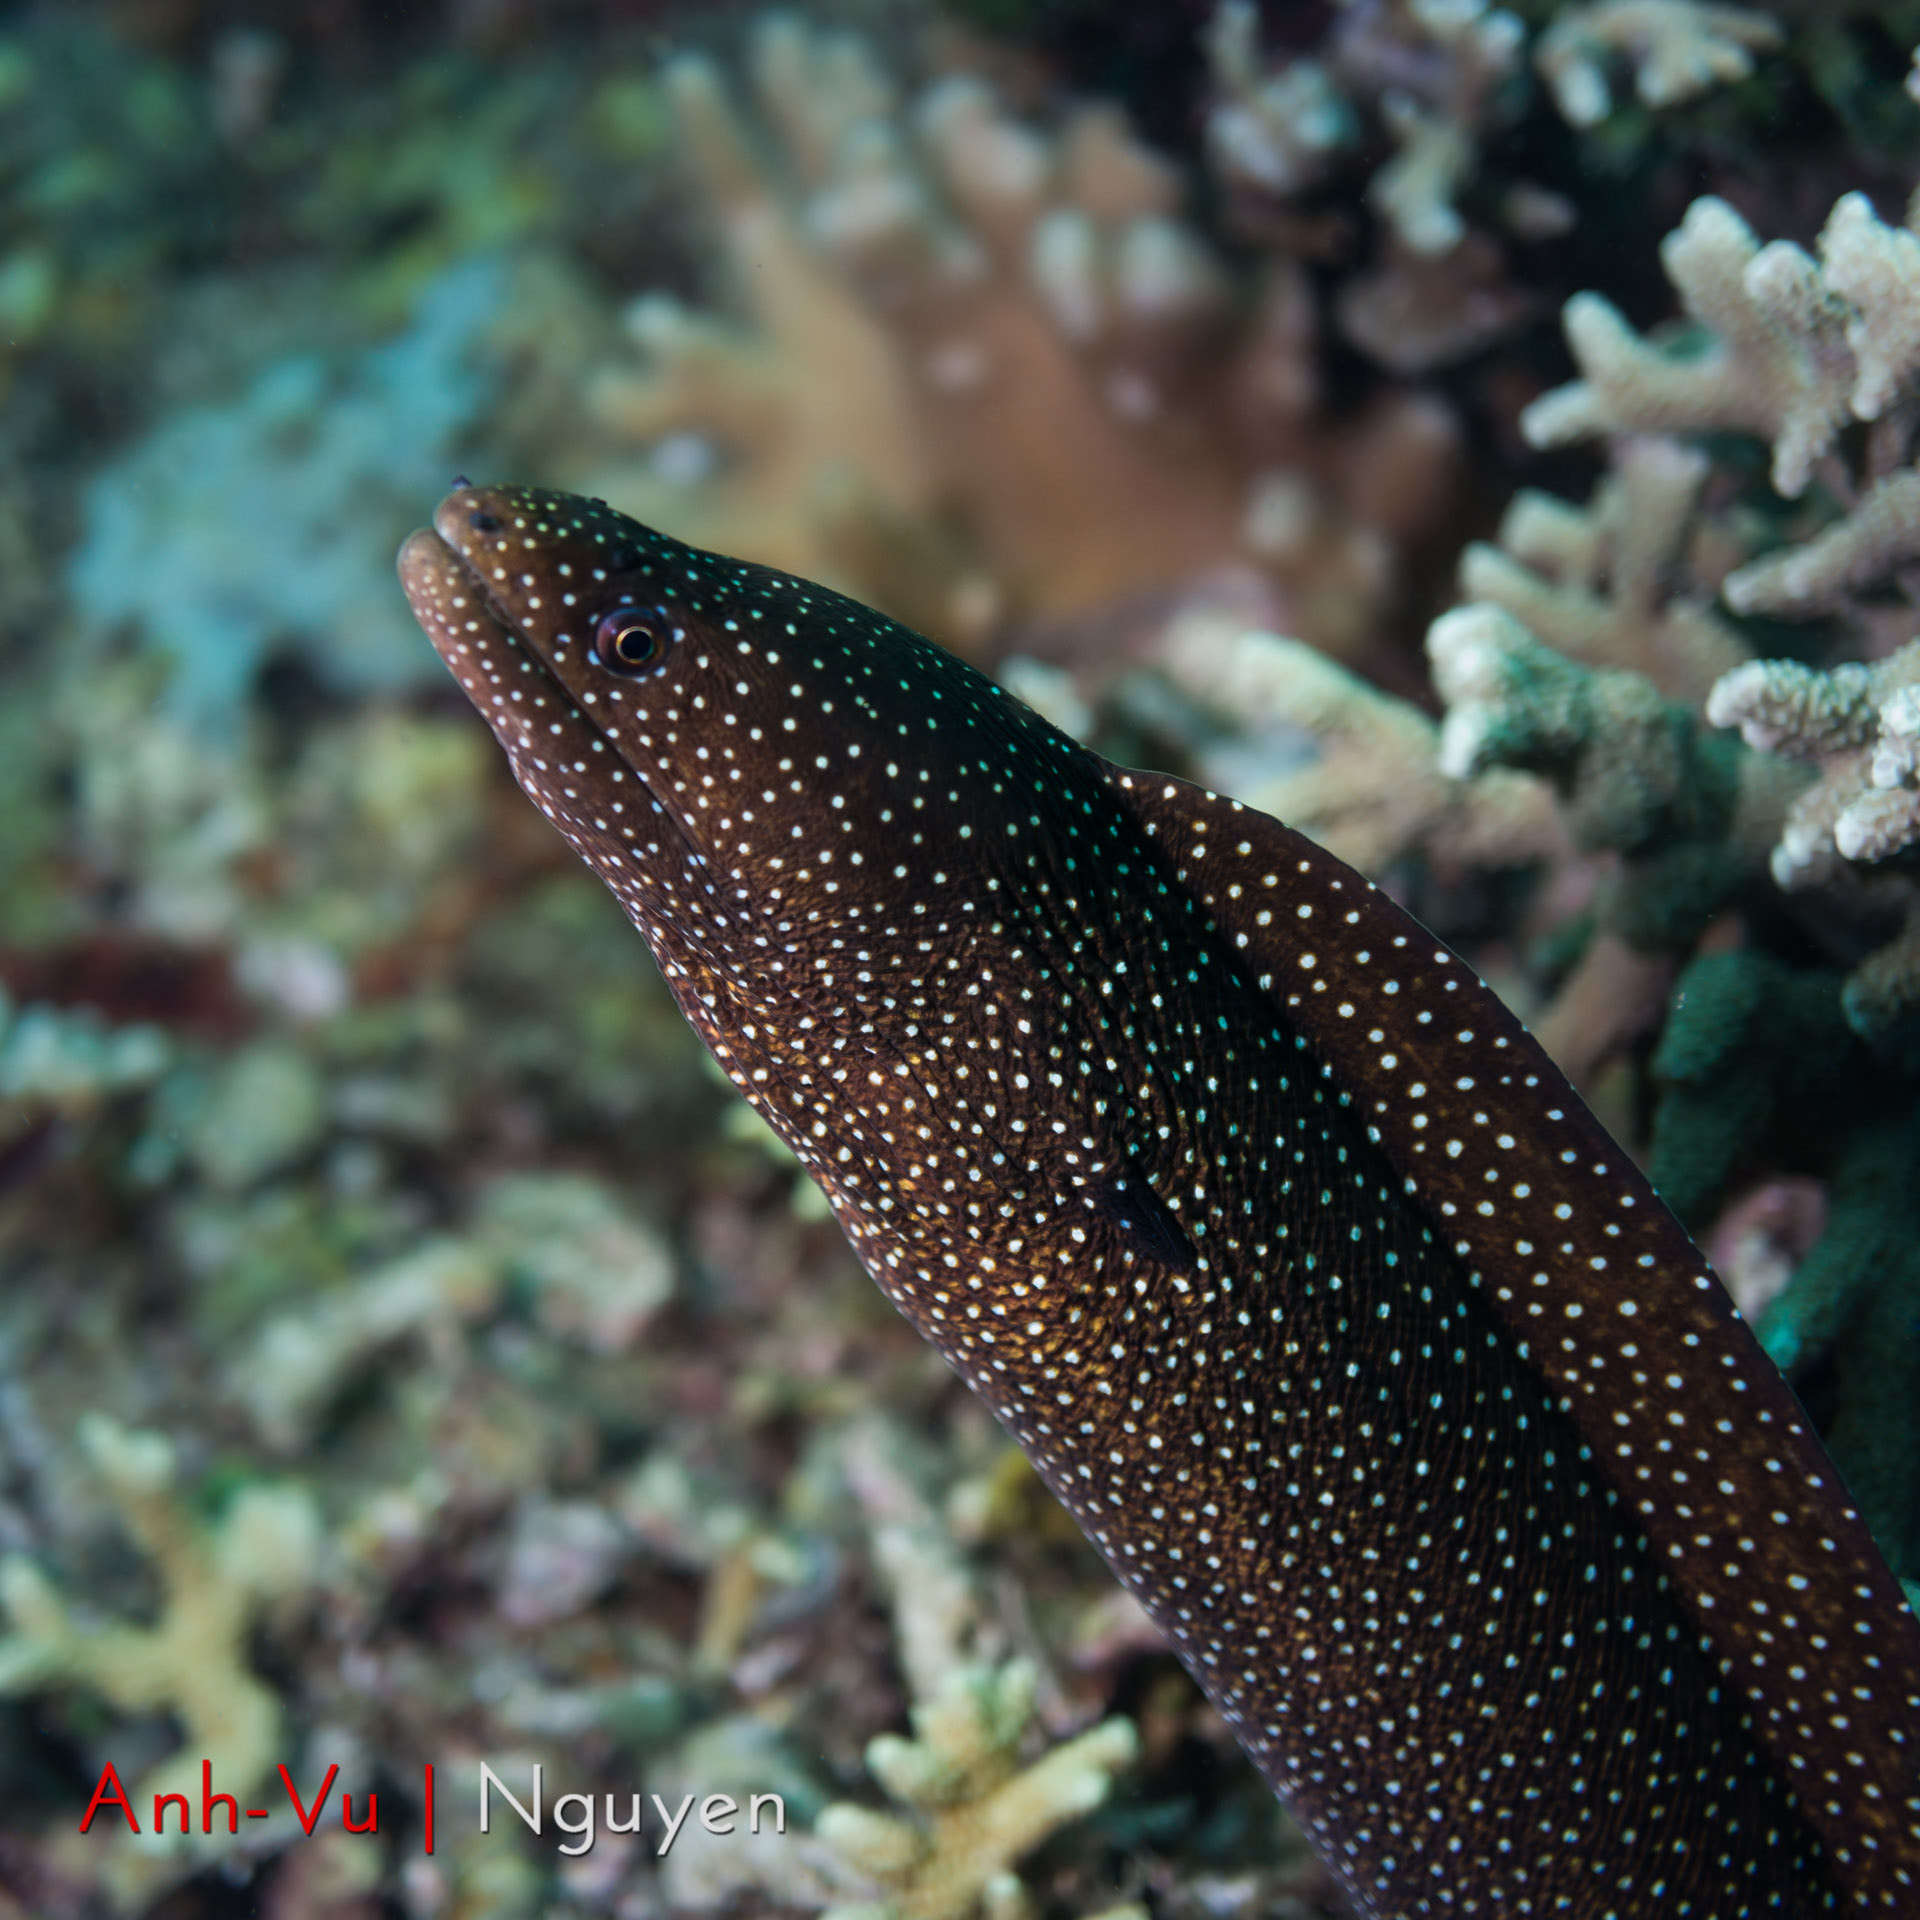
(408, 1354)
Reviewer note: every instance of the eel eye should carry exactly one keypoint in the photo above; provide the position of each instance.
(629, 638)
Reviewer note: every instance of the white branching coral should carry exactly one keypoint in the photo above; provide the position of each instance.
(1472, 48)
(1275, 130)
(1416, 190)
(972, 1810)
(1637, 775)
(1608, 738)
(1875, 269)
(1786, 347)
(1427, 82)
(1606, 584)
(1773, 362)
(1681, 817)
(193, 1661)
(1371, 788)
(1677, 49)
(1869, 547)
(1860, 725)
(1426, 71)
(1796, 348)
(936, 1611)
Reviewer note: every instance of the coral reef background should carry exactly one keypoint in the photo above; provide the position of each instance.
(1484, 437)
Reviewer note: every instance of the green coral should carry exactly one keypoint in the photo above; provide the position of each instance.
(1756, 1054)
(1760, 1070)
(1687, 811)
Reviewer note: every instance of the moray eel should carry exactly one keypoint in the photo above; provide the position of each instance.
(1365, 1357)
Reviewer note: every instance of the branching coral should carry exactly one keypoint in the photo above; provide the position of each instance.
(936, 1611)
(936, 305)
(1860, 725)
(1794, 350)
(972, 1810)
(1435, 71)
(1372, 789)
(1540, 756)
(1683, 822)
(1636, 773)
(1676, 48)
(1277, 130)
(1435, 116)
(784, 433)
(1788, 348)
(1762, 1066)
(1604, 584)
(1429, 81)
(593, 1273)
(1757, 1069)
(193, 1660)
(987, 367)
(1879, 538)
(1425, 75)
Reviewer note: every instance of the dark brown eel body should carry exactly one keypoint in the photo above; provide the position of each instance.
(1367, 1359)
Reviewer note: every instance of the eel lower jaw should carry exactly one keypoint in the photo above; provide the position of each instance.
(463, 627)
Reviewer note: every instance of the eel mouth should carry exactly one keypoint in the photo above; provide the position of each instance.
(487, 653)
(532, 714)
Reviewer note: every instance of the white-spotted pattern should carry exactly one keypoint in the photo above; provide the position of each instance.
(1367, 1361)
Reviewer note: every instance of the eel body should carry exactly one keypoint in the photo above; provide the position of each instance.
(1365, 1357)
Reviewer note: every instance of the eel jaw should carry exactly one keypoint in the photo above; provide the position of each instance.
(466, 633)
(531, 714)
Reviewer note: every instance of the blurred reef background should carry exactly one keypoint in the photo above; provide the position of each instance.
(1484, 437)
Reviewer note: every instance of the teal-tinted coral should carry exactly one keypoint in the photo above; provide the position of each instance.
(1760, 1070)
(235, 531)
(1636, 773)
